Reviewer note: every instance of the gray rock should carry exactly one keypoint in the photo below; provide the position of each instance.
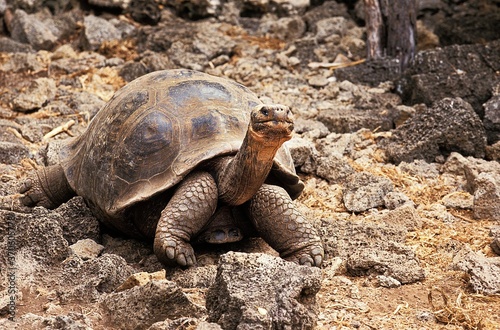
(258, 291)
(39, 93)
(285, 28)
(37, 235)
(395, 199)
(420, 168)
(450, 125)
(30, 30)
(405, 216)
(333, 25)
(464, 71)
(311, 128)
(23, 62)
(30, 321)
(77, 222)
(121, 4)
(12, 153)
(302, 150)
(491, 118)
(195, 277)
(86, 103)
(364, 191)
(372, 249)
(388, 282)
(458, 200)
(182, 323)
(86, 281)
(487, 196)
(8, 45)
(495, 244)
(142, 306)
(86, 249)
(334, 168)
(96, 31)
(493, 152)
(133, 251)
(483, 272)
(347, 120)
(326, 10)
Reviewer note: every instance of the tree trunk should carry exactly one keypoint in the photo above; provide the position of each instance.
(391, 30)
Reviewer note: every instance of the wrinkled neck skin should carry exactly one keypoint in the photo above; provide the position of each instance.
(239, 177)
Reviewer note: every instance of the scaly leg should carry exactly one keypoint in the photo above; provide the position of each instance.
(284, 228)
(48, 188)
(187, 212)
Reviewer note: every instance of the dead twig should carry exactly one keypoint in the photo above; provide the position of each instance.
(59, 129)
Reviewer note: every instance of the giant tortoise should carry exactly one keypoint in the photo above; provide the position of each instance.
(181, 156)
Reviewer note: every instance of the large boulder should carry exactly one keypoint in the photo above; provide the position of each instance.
(251, 292)
(450, 125)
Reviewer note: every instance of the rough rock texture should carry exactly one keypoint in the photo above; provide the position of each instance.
(87, 280)
(38, 235)
(364, 191)
(483, 272)
(370, 248)
(77, 222)
(86, 249)
(463, 71)
(30, 30)
(97, 30)
(450, 125)
(250, 293)
(492, 118)
(141, 306)
(38, 94)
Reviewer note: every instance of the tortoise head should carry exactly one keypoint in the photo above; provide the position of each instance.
(271, 122)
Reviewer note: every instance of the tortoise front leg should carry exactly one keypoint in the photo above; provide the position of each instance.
(284, 228)
(187, 212)
(48, 187)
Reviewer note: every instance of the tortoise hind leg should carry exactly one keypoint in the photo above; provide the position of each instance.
(187, 212)
(48, 188)
(284, 228)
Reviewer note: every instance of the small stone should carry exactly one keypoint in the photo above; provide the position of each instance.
(395, 199)
(38, 94)
(141, 279)
(98, 30)
(459, 200)
(388, 281)
(318, 81)
(30, 30)
(364, 191)
(141, 306)
(86, 249)
(483, 272)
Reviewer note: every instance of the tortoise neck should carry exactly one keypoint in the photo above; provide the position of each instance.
(240, 177)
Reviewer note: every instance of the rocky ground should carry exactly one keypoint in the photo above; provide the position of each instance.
(401, 170)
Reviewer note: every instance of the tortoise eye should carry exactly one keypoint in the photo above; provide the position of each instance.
(264, 111)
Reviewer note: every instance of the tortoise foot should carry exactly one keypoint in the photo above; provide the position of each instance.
(308, 256)
(172, 250)
(34, 195)
(48, 187)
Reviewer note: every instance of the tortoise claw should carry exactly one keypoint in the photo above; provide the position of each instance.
(308, 256)
(172, 251)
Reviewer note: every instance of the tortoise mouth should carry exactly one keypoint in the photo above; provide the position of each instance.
(272, 120)
(273, 128)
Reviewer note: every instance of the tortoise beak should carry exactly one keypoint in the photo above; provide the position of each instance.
(272, 120)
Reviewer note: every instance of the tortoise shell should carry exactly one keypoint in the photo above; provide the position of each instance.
(157, 129)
